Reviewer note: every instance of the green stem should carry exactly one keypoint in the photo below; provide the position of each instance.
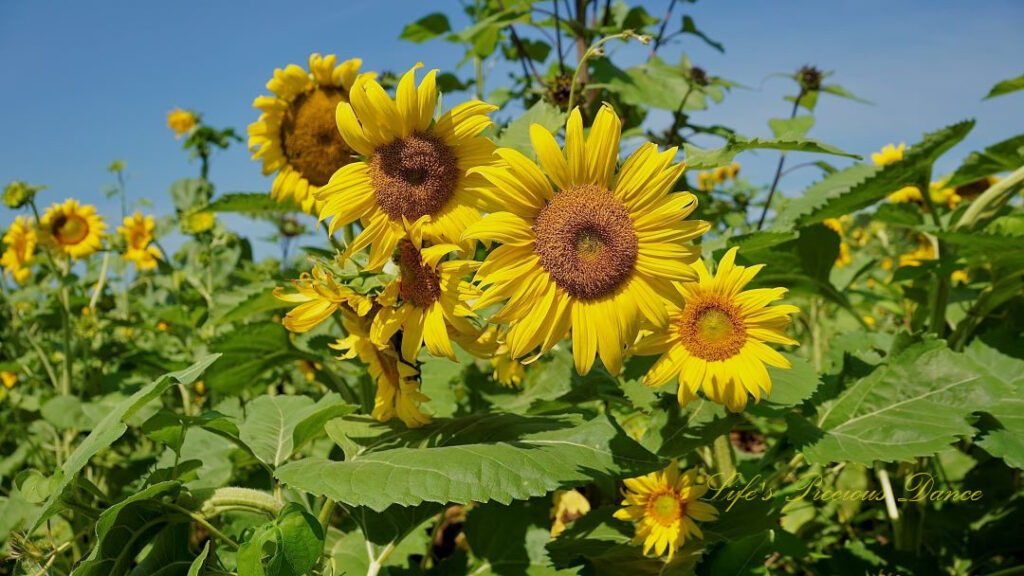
(377, 563)
(326, 511)
(202, 521)
(995, 195)
(594, 49)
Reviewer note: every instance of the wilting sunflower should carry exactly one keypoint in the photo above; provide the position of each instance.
(20, 240)
(664, 506)
(427, 300)
(295, 134)
(72, 229)
(138, 237)
(398, 382)
(594, 253)
(716, 342)
(415, 165)
(568, 506)
(318, 296)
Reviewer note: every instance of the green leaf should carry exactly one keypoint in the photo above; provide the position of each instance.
(517, 134)
(276, 425)
(167, 428)
(905, 215)
(915, 405)
(248, 352)
(704, 159)
(250, 203)
(1004, 156)
(675, 432)
(837, 90)
(790, 128)
(518, 466)
(690, 28)
(1006, 86)
(793, 386)
(287, 546)
(255, 303)
(1006, 442)
(760, 240)
(430, 26)
(190, 193)
(198, 566)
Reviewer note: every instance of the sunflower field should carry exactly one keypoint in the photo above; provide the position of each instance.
(527, 331)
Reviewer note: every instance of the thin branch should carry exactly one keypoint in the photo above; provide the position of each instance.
(661, 31)
(558, 39)
(778, 169)
(524, 58)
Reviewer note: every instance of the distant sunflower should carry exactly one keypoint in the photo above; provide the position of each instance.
(20, 240)
(665, 505)
(138, 237)
(295, 134)
(427, 300)
(318, 296)
(415, 165)
(594, 253)
(716, 342)
(888, 154)
(72, 229)
(836, 225)
(181, 121)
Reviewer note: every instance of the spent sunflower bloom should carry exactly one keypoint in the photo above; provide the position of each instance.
(429, 301)
(137, 231)
(296, 135)
(416, 165)
(72, 229)
(716, 342)
(181, 121)
(568, 506)
(20, 240)
(665, 506)
(318, 296)
(888, 154)
(584, 248)
(398, 382)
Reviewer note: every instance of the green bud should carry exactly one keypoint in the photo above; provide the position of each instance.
(18, 194)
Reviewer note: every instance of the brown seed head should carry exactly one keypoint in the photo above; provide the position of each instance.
(413, 176)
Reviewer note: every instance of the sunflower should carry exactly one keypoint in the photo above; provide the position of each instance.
(9, 379)
(415, 165)
(181, 121)
(568, 506)
(398, 382)
(138, 237)
(318, 296)
(295, 134)
(924, 251)
(843, 259)
(888, 154)
(593, 254)
(508, 371)
(72, 229)
(20, 240)
(716, 341)
(664, 505)
(428, 299)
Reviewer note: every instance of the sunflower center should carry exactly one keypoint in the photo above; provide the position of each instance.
(413, 176)
(69, 230)
(310, 137)
(712, 329)
(586, 241)
(418, 283)
(665, 509)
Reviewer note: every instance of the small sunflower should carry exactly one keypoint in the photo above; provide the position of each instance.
(20, 240)
(888, 154)
(398, 382)
(836, 225)
(568, 506)
(665, 505)
(429, 299)
(595, 253)
(295, 134)
(318, 296)
(181, 121)
(415, 165)
(72, 229)
(9, 379)
(138, 237)
(924, 251)
(716, 342)
(508, 371)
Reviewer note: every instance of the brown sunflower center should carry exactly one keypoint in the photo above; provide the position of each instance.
(586, 241)
(665, 508)
(712, 329)
(413, 176)
(69, 230)
(310, 137)
(418, 283)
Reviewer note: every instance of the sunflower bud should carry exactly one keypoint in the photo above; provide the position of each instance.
(698, 76)
(18, 194)
(809, 78)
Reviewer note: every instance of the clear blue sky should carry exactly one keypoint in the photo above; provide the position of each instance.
(89, 82)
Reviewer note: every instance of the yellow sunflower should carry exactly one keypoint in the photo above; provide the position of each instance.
(181, 121)
(318, 296)
(568, 506)
(295, 134)
(415, 165)
(906, 195)
(20, 240)
(9, 379)
(924, 251)
(844, 258)
(665, 505)
(398, 382)
(888, 154)
(716, 341)
(72, 229)
(508, 371)
(138, 237)
(592, 254)
(427, 300)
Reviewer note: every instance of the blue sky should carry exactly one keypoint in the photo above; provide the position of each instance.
(86, 83)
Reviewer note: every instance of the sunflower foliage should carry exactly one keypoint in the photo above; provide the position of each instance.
(538, 331)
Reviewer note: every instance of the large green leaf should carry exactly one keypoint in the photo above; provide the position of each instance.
(913, 406)
(459, 469)
(1006, 442)
(289, 545)
(1003, 156)
(430, 26)
(517, 134)
(275, 426)
(1006, 86)
(675, 432)
(248, 352)
(703, 159)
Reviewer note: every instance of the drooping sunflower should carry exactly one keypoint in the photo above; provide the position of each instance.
(20, 240)
(398, 382)
(716, 342)
(295, 134)
(138, 237)
(584, 248)
(665, 505)
(318, 296)
(72, 229)
(429, 301)
(415, 165)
